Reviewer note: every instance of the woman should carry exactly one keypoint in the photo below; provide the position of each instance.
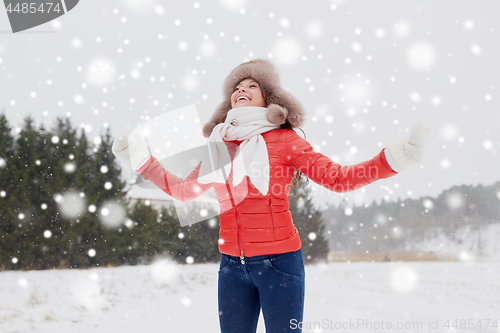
(261, 259)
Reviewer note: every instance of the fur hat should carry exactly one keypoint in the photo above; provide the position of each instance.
(281, 106)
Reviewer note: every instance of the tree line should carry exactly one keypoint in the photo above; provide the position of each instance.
(404, 224)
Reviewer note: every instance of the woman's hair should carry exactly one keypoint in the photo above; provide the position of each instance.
(298, 174)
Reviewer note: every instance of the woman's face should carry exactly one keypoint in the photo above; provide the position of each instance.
(250, 89)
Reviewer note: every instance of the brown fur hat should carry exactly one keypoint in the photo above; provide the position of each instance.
(281, 106)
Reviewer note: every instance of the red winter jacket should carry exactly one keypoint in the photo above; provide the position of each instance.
(263, 224)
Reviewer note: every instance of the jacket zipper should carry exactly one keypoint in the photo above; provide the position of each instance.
(242, 255)
(240, 246)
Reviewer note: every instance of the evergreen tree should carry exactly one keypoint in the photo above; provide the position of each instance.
(8, 225)
(309, 222)
(26, 181)
(169, 230)
(105, 193)
(200, 240)
(77, 249)
(139, 239)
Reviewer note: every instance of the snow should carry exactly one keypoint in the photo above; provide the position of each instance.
(314, 29)
(168, 297)
(402, 28)
(287, 51)
(70, 204)
(112, 214)
(476, 49)
(421, 55)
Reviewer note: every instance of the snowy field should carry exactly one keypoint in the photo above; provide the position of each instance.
(164, 297)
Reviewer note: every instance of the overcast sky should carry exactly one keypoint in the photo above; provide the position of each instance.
(365, 71)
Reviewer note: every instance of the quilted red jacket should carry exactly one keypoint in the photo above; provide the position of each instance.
(263, 224)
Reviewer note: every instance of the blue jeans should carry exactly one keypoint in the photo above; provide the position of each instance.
(275, 282)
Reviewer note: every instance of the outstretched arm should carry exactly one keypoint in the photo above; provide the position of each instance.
(136, 155)
(178, 188)
(335, 177)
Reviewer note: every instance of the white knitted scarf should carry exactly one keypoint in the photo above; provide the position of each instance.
(245, 124)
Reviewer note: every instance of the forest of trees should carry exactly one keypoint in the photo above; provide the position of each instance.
(59, 194)
(396, 226)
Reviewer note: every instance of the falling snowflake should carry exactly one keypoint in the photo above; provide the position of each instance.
(428, 204)
(449, 131)
(314, 29)
(397, 232)
(100, 72)
(190, 83)
(284, 23)
(445, 163)
(380, 33)
(186, 301)
(112, 214)
(69, 167)
(129, 223)
(233, 5)
(465, 256)
(208, 49)
(22, 282)
(401, 28)
(70, 204)
(163, 271)
(403, 279)
(455, 200)
(487, 144)
(421, 55)
(287, 51)
(468, 25)
(476, 49)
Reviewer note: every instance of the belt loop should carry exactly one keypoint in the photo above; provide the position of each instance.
(225, 256)
(273, 257)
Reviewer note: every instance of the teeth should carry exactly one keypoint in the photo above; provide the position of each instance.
(243, 98)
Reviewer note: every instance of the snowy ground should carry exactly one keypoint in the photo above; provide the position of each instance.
(183, 298)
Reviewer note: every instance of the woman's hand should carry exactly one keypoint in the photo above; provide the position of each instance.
(134, 154)
(410, 151)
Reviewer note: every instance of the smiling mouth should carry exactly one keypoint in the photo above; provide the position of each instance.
(243, 99)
